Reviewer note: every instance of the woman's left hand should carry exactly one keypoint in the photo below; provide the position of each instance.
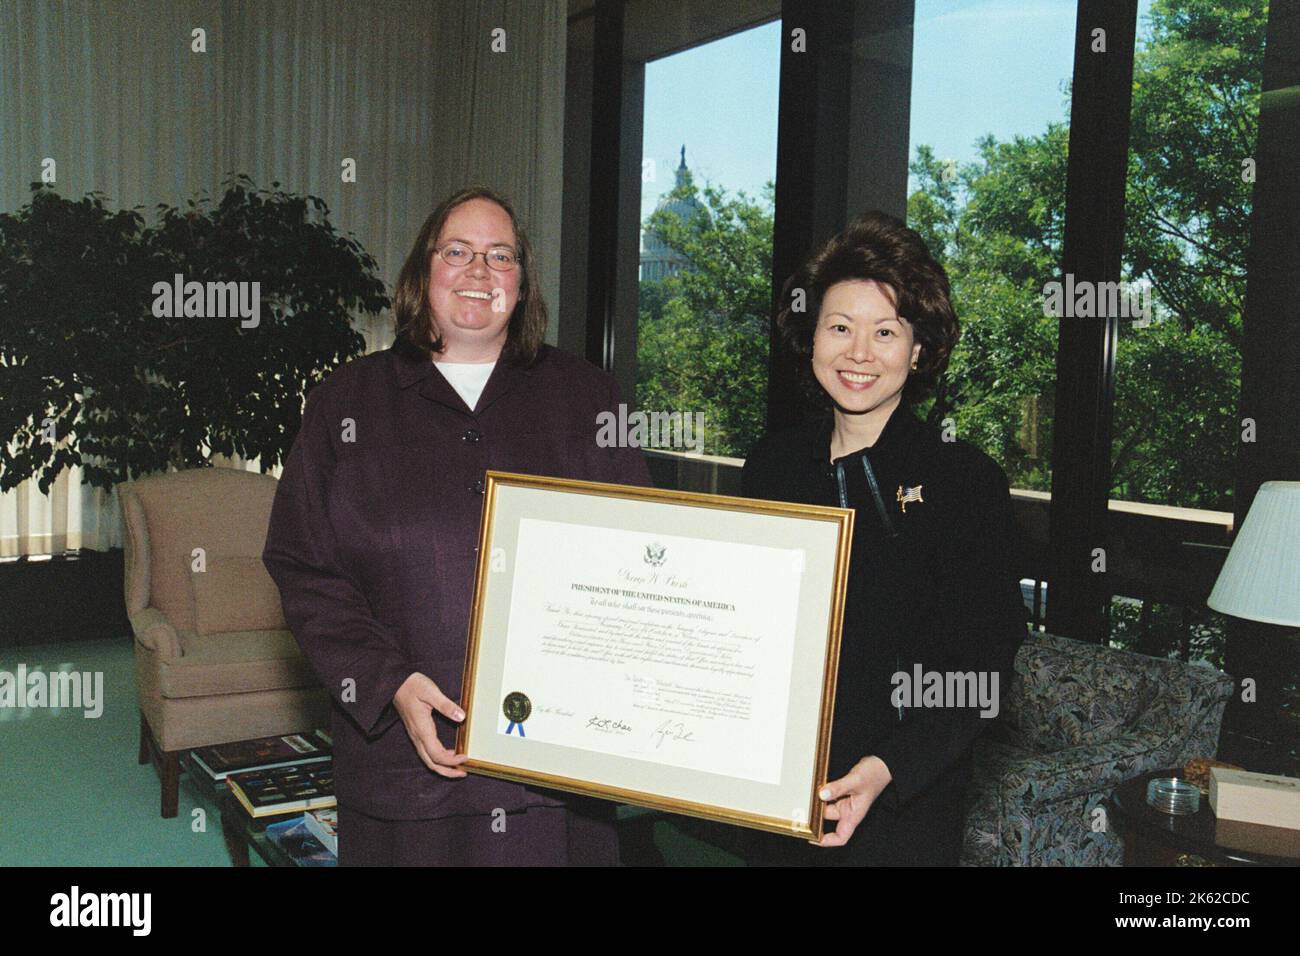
(849, 798)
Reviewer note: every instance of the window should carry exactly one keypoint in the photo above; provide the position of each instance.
(1197, 77)
(989, 138)
(1198, 73)
(709, 164)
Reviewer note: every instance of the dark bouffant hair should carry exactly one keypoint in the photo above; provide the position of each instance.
(414, 319)
(875, 246)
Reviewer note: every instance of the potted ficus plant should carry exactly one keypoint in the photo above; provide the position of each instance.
(129, 348)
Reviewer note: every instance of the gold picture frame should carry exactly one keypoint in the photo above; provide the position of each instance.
(520, 519)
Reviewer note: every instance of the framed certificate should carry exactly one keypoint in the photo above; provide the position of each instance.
(663, 648)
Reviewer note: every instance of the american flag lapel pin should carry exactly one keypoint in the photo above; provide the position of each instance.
(905, 495)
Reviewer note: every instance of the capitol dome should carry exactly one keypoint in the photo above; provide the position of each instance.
(658, 260)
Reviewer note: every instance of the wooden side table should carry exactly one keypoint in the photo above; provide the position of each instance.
(1155, 838)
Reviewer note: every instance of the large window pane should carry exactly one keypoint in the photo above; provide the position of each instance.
(989, 137)
(1196, 86)
(706, 204)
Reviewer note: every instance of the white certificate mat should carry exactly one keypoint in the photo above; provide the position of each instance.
(659, 656)
(663, 648)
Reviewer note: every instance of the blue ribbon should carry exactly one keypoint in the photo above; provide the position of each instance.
(512, 727)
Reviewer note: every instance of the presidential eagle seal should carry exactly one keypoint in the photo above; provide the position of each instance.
(517, 707)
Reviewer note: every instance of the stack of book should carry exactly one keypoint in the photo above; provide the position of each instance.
(216, 764)
(288, 782)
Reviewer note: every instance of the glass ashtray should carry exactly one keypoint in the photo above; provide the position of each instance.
(1173, 795)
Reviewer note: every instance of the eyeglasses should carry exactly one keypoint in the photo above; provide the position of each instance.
(500, 258)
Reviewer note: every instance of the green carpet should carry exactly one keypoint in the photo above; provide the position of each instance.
(72, 794)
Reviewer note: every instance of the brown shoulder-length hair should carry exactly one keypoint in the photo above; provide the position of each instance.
(875, 246)
(412, 315)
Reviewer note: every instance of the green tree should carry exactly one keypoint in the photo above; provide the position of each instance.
(1196, 88)
(702, 344)
(997, 225)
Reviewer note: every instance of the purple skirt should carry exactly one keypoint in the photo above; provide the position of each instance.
(537, 836)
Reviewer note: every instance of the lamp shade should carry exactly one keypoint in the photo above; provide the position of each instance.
(1260, 580)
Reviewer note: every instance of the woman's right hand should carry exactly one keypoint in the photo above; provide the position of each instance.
(416, 700)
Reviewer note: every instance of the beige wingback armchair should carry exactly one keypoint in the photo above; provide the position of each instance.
(214, 660)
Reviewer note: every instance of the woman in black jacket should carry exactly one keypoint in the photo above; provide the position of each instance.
(934, 614)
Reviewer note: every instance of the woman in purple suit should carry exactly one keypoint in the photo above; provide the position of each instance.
(373, 537)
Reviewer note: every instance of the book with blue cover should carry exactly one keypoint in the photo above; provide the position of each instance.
(298, 842)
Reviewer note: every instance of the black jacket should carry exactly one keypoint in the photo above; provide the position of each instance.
(931, 582)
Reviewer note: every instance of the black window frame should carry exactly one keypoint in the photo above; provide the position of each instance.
(856, 75)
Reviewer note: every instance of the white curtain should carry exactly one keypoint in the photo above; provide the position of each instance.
(424, 96)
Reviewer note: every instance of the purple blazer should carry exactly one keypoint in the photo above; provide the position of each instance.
(373, 539)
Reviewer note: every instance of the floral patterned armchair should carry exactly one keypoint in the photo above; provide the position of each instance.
(1080, 720)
